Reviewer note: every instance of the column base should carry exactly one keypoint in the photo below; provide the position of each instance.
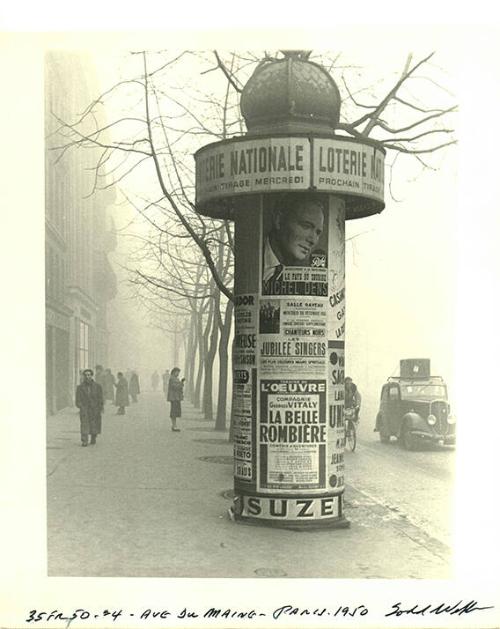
(311, 525)
(297, 513)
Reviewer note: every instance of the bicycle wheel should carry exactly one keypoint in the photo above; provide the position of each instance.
(351, 435)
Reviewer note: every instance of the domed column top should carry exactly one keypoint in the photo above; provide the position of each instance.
(290, 95)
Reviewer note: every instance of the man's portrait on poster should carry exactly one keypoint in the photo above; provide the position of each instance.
(294, 235)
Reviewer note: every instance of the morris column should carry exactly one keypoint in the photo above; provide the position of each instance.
(289, 184)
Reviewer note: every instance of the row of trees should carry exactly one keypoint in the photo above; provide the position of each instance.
(167, 106)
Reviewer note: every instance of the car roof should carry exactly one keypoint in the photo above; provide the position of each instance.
(423, 380)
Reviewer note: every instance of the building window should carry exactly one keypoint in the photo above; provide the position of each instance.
(83, 346)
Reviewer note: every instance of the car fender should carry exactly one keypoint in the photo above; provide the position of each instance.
(414, 421)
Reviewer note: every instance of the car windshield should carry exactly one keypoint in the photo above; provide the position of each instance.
(413, 391)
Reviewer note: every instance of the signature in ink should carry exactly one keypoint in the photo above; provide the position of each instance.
(442, 608)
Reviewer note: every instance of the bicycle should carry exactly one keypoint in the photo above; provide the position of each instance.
(350, 427)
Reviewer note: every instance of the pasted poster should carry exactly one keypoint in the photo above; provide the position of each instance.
(283, 357)
(294, 246)
(244, 385)
(336, 272)
(245, 340)
(292, 337)
(292, 434)
(336, 333)
(336, 422)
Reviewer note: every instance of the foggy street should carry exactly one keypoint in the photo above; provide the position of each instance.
(146, 501)
(414, 486)
(246, 295)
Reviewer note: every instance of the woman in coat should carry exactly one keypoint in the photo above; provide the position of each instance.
(121, 393)
(175, 396)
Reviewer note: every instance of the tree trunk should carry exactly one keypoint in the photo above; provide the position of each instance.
(201, 358)
(209, 359)
(220, 422)
(189, 362)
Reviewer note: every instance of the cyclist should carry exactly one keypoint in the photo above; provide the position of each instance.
(352, 396)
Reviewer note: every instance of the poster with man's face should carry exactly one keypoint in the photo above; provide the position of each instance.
(294, 245)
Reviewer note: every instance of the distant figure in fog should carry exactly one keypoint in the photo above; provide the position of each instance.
(109, 385)
(128, 373)
(90, 401)
(121, 393)
(165, 377)
(175, 396)
(155, 379)
(133, 386)
(99, 376)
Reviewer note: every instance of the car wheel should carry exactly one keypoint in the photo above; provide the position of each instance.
(385, 437)
(407, 439)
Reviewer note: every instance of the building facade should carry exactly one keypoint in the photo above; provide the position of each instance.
(79, 280)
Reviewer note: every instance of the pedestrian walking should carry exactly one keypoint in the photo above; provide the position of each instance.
(121, 399)
(175, 396)
(109, 386)
(90, 401)
(133, 386)
(155, 379)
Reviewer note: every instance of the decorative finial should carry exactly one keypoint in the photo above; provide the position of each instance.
(297, 54)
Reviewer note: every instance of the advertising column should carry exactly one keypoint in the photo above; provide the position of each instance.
(289, 360)
(289, 184)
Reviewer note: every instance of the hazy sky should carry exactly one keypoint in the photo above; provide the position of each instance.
(400, 270)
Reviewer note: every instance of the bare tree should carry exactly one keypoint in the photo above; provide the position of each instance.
(179, 102)
(170, 105)
(170, 277)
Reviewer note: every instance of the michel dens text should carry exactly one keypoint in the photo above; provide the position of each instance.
(458, 608)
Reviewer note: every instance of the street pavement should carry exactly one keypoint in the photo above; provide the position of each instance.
(149, 502)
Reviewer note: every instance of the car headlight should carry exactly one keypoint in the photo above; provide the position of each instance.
(431, 420)
(452, 419)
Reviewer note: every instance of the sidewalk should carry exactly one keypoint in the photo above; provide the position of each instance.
(146, 501)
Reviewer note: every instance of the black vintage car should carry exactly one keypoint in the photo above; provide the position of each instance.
(414, 407)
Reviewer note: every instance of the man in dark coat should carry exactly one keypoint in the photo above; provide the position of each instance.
(90, 401)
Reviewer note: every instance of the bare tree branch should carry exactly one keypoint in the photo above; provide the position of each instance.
(229, 76)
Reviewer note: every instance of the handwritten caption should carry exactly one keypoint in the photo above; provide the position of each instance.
(397, 609)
